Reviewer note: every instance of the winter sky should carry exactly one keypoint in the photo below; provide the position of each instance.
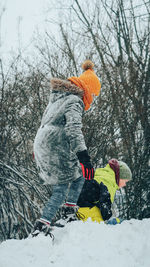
(19, 21)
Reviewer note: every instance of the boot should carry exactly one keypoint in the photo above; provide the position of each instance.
(42, 226)
(68, 212)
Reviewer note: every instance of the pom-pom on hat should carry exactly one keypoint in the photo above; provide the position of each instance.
(87, 64)
(124, 170)
(87, 81)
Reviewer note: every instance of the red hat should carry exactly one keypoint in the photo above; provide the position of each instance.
(114, 164)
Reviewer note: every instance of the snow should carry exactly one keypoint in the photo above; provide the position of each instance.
(83, 244)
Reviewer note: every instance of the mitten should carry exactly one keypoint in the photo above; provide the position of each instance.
(87, 168)
(114, 221)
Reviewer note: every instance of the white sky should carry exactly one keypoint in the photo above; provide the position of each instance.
(31, 14)
(21, 19)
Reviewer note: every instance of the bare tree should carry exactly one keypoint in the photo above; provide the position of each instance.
(23, 99)
(24, 96)
(21, 199)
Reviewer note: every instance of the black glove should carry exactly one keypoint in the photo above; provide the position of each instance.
(87, 168)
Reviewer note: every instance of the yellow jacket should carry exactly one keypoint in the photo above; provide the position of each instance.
(103, 176)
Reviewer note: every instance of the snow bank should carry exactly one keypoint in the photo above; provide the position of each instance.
(83, 244)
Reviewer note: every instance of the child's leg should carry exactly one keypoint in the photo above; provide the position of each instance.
(57, 198)
(75, 190)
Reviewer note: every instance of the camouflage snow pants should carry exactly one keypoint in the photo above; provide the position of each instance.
(60, 194)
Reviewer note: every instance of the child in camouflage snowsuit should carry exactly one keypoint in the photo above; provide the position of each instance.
(97, 195)
(59, 147)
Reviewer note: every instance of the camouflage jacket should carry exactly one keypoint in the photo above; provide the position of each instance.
(60, 135)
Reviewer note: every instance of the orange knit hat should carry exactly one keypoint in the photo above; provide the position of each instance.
(89, 82)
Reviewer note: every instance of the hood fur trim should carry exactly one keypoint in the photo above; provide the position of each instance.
(65, 86)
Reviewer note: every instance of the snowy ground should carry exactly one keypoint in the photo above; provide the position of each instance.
(84, 245)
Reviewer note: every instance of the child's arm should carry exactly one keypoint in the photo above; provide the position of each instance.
(104, 203)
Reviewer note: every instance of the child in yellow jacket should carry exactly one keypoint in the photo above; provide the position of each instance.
(98, 194)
